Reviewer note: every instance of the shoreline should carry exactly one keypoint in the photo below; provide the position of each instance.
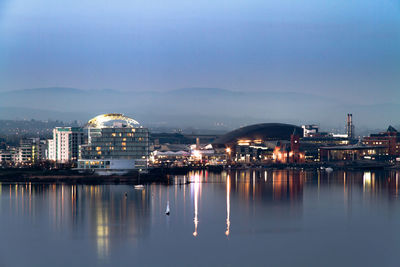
(74, 177)
(163, 175)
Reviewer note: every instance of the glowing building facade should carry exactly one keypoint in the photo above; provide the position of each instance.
(115, 142)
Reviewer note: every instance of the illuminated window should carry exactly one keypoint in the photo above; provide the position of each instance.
(114, 134)
(123, 143)
(124, 139)
(98, 148)
(124, 148)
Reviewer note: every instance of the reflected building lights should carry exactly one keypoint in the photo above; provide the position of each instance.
(196, 187)
(102, 234)
(228, 204)
(109, 217)
(368, 181)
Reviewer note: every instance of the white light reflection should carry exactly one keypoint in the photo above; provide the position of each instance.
(367, 180)
(196, 187)
(228, 204)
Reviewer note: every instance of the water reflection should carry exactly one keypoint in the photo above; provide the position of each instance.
(228, 204)
(102, 211)
(196, 188)
(111, 220)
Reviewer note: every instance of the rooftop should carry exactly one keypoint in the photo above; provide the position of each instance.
(112, 120)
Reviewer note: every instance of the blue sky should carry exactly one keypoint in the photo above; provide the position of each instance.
(333, 47)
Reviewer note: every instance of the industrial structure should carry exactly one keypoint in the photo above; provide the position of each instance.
(350, 126)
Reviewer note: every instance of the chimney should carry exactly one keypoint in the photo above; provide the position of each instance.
(350, 126)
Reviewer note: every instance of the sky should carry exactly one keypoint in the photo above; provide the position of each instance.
(338, 48)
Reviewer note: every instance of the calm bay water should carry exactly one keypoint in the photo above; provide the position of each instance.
(248, 218)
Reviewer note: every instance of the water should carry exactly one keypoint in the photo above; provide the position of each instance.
(249, 218)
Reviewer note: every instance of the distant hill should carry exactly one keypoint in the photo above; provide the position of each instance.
(193, 107)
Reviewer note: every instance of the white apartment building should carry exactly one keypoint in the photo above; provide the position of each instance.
(64, 147)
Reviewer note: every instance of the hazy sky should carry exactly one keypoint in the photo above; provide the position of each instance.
(319, 46)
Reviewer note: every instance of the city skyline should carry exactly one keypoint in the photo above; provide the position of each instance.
(199, 133)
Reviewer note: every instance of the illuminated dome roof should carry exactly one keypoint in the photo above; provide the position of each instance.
(112, 120)
(264, 131)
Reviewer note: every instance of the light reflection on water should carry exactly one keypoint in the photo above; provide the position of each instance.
(243, 210)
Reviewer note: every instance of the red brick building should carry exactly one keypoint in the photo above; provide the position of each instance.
(389, 139)
(285, 154)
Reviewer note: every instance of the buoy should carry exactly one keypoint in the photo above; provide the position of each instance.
(329, 170)
(167, 211)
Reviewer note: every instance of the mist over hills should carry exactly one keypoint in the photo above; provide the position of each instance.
(212, 108)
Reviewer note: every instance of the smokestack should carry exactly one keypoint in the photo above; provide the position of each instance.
(350, 126)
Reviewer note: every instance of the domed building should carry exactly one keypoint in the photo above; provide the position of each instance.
(112, 120)
(276, 142)
(116, 143)
(259, 133)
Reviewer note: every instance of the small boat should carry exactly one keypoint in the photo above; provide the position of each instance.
(167, 209)
(139, 187)
(329, 169)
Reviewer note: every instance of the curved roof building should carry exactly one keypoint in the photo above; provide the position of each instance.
(112, 120)
(260, 132)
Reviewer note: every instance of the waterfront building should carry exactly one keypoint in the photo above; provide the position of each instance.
(283, 153)
(115, 143)
(8, 156)
(351, 153)
(50, 150)
(311, 145)
(252, 153)
(30, 150)
(26, 151)
(259, 143)
(257, 134)
(65, 145)
(390, 140)
(169, 155)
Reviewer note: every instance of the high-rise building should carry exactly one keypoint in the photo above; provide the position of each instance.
(115, 143)
(50, 151)
(65, 145)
